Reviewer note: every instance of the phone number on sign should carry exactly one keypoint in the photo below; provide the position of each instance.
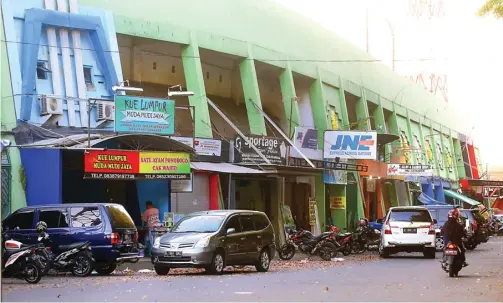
(110, 176)
(165, 176)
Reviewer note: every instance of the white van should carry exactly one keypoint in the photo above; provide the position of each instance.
(408, 229)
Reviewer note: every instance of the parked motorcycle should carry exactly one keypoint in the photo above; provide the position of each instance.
(365, 238)
(452, 262)
(21, 262)
(308, 244)
(76, 257)
(343, 241)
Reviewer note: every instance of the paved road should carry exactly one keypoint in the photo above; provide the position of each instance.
(402, 278)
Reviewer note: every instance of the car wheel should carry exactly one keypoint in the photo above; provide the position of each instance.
(429, 253)
(439, 244)
(161, 270)
(217, 265)
(383, 252)
(105, 269)
(264, 261)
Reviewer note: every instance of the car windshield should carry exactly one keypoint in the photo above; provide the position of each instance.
(119, 217)
(198, 224)
(407, 215)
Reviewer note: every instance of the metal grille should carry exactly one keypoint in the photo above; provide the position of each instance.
(5, 191)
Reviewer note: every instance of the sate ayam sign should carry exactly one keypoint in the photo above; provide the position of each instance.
(135, 165)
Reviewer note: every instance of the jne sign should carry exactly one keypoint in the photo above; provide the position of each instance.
(350, 145)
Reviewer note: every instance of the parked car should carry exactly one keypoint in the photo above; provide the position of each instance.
(439, 213)
(408, 229)
(216, 239)
(480, 228)
(108, 226)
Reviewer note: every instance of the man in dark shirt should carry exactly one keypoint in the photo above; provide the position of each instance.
(454, 232)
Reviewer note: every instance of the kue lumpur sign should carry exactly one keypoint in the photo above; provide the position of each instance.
(144, 115)
(136, 165)
(350, 145)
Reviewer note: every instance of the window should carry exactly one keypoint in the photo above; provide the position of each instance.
(88, 78)
(198, 224)
(55, 218)
(410, 215)
(42, 70)
(85, 216)
(247, 223)
(261, 222)
(119, 217)
(20, 220)
(233, 223)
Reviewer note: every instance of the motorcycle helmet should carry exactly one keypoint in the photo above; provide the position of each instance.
(453, 214)
(41, 226)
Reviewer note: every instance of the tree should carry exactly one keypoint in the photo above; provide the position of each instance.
(494, 7)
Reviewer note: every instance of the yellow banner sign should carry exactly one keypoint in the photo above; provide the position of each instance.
(337, 202)
(164, 163)
(312, 211)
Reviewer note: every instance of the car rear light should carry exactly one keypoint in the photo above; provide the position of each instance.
(387, 228)
(136, 237)
(11, 245)
(114, 238)
(451, 246)
(432, 229)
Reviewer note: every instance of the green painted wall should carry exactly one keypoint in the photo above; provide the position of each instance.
(405, 140)
(419, 154)
(289, 99)
(449, 163)
(439, 153)
(332, 96)
(459, 159)
(8, 122)
(429, 142)
(225, 26)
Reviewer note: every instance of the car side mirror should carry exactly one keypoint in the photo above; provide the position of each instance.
(435, 221)
(231, 231)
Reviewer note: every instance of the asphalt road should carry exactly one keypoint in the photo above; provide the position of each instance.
(401, 278)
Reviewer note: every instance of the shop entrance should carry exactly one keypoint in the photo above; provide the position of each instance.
(79, 190)
(297, 197)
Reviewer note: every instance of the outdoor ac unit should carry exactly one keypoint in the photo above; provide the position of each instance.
(106, 111)
(49, 106)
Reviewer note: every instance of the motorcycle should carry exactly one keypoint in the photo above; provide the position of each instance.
(343, 241)
(365, 238)
(22, 262)
(452, 262)
(76, 257)
(308, 244)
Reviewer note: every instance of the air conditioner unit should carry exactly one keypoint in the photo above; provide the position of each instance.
(49, 106)
(106, 111)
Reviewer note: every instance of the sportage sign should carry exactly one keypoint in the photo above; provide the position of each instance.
(350, 145)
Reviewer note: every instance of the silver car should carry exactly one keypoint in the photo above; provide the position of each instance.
(214, 240)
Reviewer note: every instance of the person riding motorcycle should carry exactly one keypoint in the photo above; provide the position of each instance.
(453, 232)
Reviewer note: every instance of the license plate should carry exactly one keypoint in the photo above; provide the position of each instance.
(173, 254)
(410, 230)
(451, 253)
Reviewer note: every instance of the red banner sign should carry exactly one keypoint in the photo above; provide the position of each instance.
(111, 161)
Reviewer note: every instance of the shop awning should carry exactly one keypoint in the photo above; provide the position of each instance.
(224, 168)
(427, 200)
(460, 197)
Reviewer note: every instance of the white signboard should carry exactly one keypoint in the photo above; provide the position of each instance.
(306, 139)
(409, 170)
(203, 147)
(350, 145)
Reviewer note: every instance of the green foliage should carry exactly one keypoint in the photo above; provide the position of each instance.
(494, 7)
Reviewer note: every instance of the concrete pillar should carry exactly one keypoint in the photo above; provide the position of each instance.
(319, 108)
(289, 99)
(195, 82)
(393, 129)
(344, 107)
(458, 158)
(362, 112)
(411, 138)
(252, 94)
(434, 149)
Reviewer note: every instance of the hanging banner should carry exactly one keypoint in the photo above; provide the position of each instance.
(306, 140)
(144, 115)
(135, 165)
(312, 211)
(350, 145)
(274, 149)
(337, 202)
(409, 170)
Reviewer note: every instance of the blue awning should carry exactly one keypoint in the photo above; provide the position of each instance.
(427, 200)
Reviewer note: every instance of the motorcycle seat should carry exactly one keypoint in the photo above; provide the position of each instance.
(70, 246)
(318, 237)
